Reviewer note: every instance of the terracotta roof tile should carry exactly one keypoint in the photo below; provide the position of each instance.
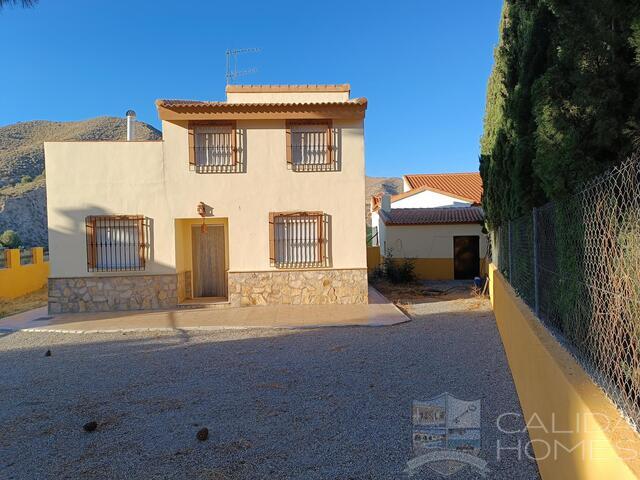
(197, 104)
(464, 185)
(432, 216)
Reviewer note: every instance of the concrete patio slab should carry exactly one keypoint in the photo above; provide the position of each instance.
(378, 313)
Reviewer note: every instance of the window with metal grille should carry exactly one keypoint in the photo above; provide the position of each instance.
(116, 243)
(213, 148)
(311, 146)
(299, 239)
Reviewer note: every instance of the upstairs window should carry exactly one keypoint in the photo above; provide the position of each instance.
(213, 148)
(299, 239)
(116, 243)
(311, 146)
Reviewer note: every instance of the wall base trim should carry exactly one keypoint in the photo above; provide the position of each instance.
(106, 294)
(588, 436)
(298, 287)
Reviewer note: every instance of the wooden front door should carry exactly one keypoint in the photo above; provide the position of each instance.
(209, 271)
(466, 257)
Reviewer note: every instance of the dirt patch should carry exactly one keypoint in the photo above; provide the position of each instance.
(426, 291)
(22, 304)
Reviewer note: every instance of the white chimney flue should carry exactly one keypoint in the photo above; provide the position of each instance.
(385, 202)
(131, 125)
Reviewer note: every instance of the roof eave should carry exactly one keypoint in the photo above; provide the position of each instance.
(392, 224)
(230, 111)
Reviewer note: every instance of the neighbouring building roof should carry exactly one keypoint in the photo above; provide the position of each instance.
(465, 185)
(194, 110)
(432, 216)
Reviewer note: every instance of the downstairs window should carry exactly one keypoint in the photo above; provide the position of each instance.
(116, 243)
(299, 239)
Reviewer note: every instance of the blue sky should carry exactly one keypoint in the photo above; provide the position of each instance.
(423, 65)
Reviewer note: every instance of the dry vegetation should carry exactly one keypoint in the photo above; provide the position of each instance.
(424, 291)
(24, 303)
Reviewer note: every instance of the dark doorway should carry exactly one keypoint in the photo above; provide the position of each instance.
(466, 257)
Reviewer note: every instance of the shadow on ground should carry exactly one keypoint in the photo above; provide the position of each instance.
(291, 404)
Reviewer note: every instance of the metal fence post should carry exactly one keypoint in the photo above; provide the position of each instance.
(536, 298)
(510, 256)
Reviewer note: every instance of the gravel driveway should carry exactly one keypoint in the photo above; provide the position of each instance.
(285, 404)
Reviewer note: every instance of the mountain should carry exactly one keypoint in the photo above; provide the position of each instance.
(375, 185)
(22, 184)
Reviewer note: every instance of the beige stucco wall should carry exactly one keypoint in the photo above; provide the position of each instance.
(427, 241)
(154, 179)
(294, 97)
(104, 178)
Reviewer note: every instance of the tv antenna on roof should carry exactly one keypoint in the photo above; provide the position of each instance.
(232, 64)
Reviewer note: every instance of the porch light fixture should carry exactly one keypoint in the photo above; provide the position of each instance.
(202, 211)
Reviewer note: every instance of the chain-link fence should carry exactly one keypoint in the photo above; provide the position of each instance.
(576, 263)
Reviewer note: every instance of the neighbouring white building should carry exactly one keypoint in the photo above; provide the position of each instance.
(437, 222)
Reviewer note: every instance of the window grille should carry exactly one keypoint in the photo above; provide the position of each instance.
(311, 146)
(116, 243)
(299, 240)
(214, 149)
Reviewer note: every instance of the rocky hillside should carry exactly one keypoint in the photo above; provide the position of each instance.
(375, 185)
(22, 185)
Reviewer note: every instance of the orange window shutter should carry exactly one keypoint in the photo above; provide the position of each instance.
(272, 238)
(192, 146)
(288, 136)
(329, 134)
(234, 144)
(321, 238)
(90, 224)
(141, 242)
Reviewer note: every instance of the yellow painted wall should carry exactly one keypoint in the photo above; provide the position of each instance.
(373, 258)
(431, 268)
(17, 280)
(434, 268)
(563, 406)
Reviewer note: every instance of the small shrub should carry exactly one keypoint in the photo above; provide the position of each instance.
(377, 273)
(10, 239)
(406, 270)
(26, 179)
(398, 271)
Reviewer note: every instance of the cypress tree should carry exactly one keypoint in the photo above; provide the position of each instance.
(563, 100)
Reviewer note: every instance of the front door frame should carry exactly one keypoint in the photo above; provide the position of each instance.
(226, 258)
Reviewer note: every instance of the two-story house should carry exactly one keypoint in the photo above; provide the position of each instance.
(256, 200)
